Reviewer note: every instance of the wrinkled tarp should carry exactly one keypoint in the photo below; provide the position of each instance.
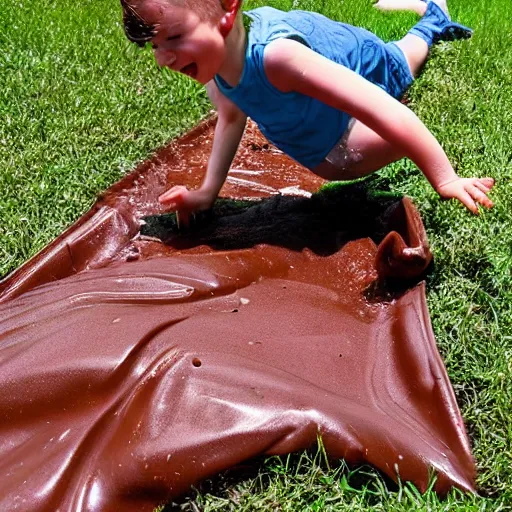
(131, 369)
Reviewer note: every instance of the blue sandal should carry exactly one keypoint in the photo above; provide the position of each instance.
(436, 26)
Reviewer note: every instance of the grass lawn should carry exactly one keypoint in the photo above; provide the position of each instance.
(79, 106)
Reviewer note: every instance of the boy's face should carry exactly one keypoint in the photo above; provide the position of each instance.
(183, 41)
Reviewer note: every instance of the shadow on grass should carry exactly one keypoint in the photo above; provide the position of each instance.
(310, 472)
(310, 480)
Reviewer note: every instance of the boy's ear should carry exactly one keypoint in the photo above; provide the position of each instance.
(228, 20)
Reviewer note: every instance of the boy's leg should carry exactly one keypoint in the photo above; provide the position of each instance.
(434, 26)
(415, 51)
(417, 6)
(362, 152)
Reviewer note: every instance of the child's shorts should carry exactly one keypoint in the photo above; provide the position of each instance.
(400, 76)
(385, 65)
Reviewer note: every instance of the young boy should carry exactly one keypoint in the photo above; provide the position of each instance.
(326, 93)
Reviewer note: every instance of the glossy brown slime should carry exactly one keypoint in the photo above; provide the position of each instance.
(132, 369)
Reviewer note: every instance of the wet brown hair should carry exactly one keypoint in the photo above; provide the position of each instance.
(135, 28)
(138, 31)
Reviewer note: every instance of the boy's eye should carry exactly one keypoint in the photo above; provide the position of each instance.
(172, 38)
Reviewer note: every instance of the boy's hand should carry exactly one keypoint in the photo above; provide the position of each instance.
(469, 191)
(185, 202)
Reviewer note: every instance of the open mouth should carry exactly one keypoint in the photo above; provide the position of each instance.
(190, 70)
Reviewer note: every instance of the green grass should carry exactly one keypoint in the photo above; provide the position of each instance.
(309, 482)
(79, 106)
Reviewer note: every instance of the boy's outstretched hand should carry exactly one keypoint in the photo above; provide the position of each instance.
(469, 191)
(185, 202)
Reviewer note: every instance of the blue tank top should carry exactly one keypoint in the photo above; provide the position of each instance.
(304, 128)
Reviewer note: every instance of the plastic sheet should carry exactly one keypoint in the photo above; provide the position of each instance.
(131, 369)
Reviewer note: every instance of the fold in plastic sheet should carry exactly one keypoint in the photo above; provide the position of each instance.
(131, 370)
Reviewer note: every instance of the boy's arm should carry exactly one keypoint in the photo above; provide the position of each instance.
(291, 66)
(228, 133)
